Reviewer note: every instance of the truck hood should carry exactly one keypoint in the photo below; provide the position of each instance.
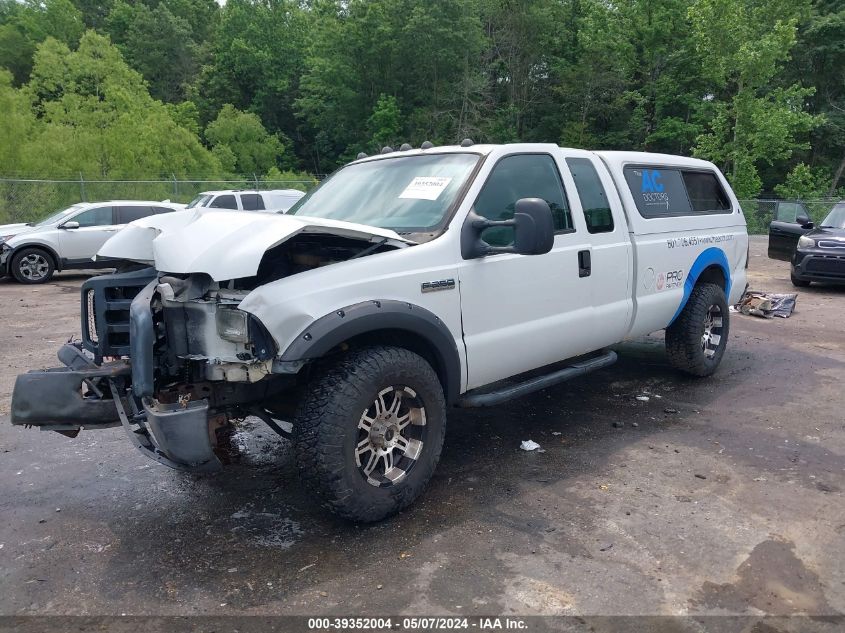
(223, 244)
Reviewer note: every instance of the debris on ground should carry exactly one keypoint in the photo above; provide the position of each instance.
(643, 398)
(529, 445)
(766, 304)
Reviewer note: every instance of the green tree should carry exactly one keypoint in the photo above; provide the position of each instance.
(25, 24)
(241, 143)
(96, 116)
(157, 44)
(385, 123)
(743, 45)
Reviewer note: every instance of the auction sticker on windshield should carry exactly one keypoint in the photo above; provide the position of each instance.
(425, 187)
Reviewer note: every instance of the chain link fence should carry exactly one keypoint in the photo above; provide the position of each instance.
(23, 200)
(759, 213)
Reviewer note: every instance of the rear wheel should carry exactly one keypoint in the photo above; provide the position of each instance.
(797, 281)
(32, 266)
(369, 431)
(696, 340)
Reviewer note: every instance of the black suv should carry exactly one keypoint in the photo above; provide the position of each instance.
(817, 253)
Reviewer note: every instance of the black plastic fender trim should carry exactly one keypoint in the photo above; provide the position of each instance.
(331, 330)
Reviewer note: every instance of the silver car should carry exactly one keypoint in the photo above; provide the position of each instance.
(69, 238)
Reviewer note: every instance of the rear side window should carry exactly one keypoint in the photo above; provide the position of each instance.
(224, 202)
(705, 193)
(521, 176)
(100, 216)
(668, 191)
(592, 195)
(160, 210)
(128, 214)
(252, 202)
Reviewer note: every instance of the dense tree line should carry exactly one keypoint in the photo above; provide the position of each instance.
(187, 87)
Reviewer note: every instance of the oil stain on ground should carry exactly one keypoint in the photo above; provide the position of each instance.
(772, 580)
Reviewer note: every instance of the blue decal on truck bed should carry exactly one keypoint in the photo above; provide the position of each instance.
(709, 257)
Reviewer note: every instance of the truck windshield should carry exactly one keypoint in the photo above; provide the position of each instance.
(836, 218)
(200, 201)
(407, 194)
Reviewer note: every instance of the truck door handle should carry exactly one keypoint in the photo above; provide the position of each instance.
(585, 266)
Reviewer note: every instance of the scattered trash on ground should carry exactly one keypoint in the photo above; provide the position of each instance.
(643, 398)
(556, 433)
(766, 305)
(529, 445)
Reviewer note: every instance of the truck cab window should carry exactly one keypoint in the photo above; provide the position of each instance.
(224, 202)
(516, 177)
(252, 201)
(592, 195)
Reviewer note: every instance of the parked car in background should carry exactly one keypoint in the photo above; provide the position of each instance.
(69, 238)
(273, 200)
(817, 253)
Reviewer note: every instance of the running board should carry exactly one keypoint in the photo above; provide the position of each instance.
(492, 398)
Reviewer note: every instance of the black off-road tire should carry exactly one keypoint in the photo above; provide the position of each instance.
(684, 337)
(326, 430)
(42, 260)
(797, 282)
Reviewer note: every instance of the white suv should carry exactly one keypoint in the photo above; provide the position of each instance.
(273, 200)
(69, 238)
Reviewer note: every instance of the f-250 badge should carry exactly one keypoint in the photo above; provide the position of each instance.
(443, 284)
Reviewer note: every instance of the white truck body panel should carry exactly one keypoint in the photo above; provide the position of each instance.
(507, 313)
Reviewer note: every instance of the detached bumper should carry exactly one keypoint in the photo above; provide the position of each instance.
(53, 398)
(85, 395)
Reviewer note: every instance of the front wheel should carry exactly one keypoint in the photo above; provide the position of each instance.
(797, 281)
(696, 340)
(32, 266)
(369, 431)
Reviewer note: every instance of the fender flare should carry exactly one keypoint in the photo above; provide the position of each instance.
(331, 330)
(712, 256)
(57, 261)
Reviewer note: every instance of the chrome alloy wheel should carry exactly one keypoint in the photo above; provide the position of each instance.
(712, 336)
(33, 267)
(391, 433)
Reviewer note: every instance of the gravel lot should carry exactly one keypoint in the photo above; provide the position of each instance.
(715, 496)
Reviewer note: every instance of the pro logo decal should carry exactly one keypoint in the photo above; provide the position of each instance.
(669, 279)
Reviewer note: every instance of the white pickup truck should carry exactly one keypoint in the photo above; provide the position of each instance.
(406, 283)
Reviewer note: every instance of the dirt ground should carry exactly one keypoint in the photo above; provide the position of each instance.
(715, 496)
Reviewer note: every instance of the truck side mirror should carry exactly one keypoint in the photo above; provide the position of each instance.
(70, 224)
(533, 225)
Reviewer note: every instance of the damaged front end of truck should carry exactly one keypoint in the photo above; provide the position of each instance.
(165, 350)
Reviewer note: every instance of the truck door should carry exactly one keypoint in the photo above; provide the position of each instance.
(522, 312)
